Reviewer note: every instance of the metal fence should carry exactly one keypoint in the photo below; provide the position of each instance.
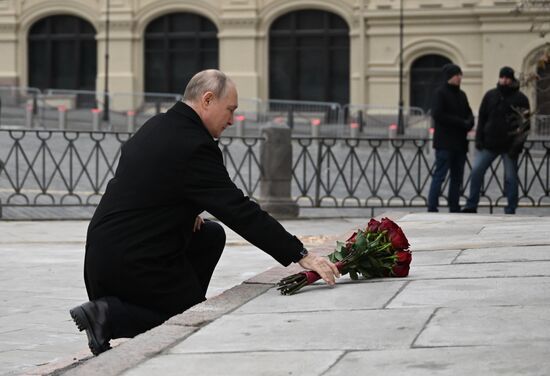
(55, 168)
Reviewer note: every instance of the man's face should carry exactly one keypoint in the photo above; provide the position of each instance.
(455, 80)
(218, 112)
(505, 81)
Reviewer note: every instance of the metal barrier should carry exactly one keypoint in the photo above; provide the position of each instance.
(19, 106)
(378, 121)
(56, 168)
(305, 117)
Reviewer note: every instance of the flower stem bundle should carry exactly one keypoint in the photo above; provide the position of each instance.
(381, 250)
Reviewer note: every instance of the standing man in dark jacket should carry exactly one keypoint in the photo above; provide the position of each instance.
(453, 119)
(148, 254)
(495, 131)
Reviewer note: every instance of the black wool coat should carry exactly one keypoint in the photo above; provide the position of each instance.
(170, 171)
(453, 118)
(496, 121)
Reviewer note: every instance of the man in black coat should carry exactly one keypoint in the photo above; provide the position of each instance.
(496, 128)
(148, 254)
(453, 119)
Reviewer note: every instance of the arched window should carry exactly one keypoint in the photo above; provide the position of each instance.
(426, 76)
(543, 90)
(309, 57)
(176, 47)
(62, 54)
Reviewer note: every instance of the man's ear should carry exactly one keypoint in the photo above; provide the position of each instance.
(206, 99)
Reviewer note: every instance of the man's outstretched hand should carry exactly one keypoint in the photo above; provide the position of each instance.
(326, 269)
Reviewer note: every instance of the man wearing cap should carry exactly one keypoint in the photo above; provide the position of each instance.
(495, 136)
(453, 119)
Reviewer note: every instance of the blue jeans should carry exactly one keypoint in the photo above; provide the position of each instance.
(446, 160)
(483, 160)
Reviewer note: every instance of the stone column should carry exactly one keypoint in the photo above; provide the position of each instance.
(276, 162)
(9, 65)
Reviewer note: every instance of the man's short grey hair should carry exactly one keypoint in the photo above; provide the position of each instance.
(207, 80)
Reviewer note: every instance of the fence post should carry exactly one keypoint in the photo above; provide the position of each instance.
(360, 120)
(62, 116)
(275, 181)
(96, 114)
(315, 127)
(131, 119)
(290, 117)
(239, 125)
(354, 128)
(29, 114)
(392, 135)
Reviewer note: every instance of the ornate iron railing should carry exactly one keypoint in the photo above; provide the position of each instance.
(380, 173)
(68, 168)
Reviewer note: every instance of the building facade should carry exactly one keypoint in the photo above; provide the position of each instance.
(344, 51)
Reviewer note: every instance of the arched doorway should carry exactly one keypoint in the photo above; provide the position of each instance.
(426, 76)
(309, 57)
(62, 53)
(177, 46)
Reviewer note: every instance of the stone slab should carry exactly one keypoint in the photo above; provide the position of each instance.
(505, 254)
(303, 363)
(482, 326)
(350, 294)
(474, 292)
(327, 330)
(217, 306)
(435, 257)
(485, 270)
(131, 353)
(451, 361)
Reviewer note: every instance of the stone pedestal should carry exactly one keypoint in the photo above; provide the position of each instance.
(276, 162)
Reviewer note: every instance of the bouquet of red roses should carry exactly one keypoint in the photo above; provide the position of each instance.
(379, 251)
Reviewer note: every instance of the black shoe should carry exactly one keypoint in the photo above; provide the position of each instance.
(92, 317)
(469, 210)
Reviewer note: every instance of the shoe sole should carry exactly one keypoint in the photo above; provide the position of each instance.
(82, 323)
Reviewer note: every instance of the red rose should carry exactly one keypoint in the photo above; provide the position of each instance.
(351, 239)
(373, 225)
(349, 243)
(387, 225)
(403, 257)
(399, 270)
(398, 239)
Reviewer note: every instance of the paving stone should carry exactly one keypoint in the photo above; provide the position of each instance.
(435, 257)
(303, 363)
(131, 353)
(485, 270)
(327, 330)
(450, 361)
(505, 254)
(219, 305)
(363, 294)
(474, 292)
(521, 326)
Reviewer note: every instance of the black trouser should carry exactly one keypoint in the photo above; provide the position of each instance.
(205, 249)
